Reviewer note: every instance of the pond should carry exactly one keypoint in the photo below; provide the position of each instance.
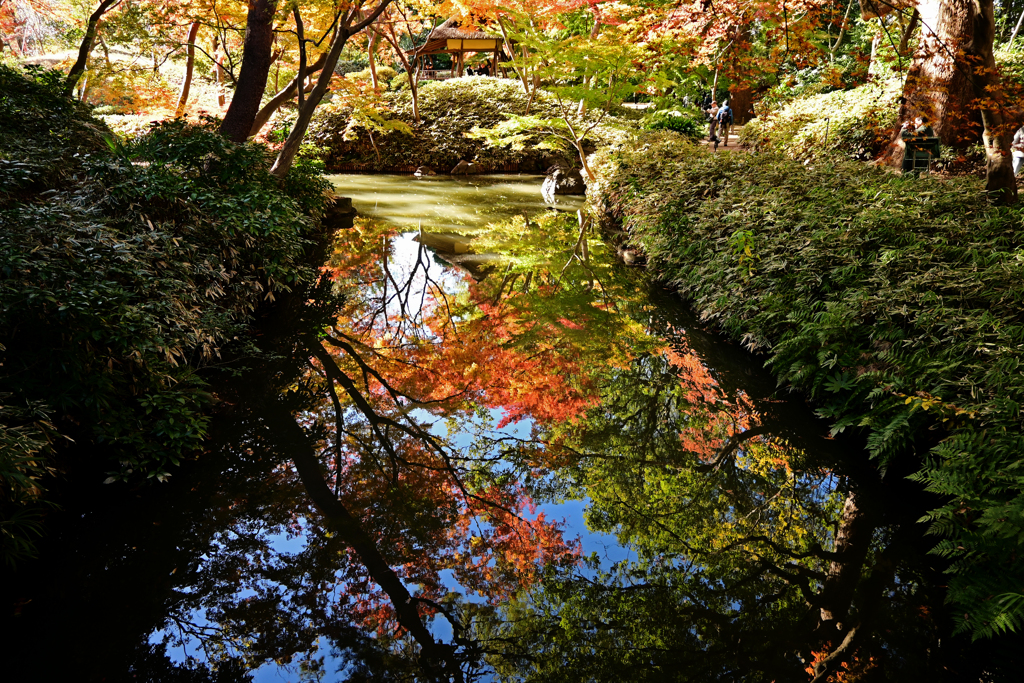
(489, 451)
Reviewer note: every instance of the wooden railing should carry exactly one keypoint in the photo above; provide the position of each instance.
(436, 74)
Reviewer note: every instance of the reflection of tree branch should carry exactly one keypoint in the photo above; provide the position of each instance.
(827, 666)
(728, 450)
(442, 659)
(376, 421)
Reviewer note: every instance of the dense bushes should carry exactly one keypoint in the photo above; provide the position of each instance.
(895, 303)
(123, 272)
(448, 110)
(685, 122)
(847, 124)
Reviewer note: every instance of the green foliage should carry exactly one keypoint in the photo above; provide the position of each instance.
(685, 122)
(26, 435)
(846, 124)
(385, 74)
(349, 66)
(894, 303)
(127, 269)
(448, 110)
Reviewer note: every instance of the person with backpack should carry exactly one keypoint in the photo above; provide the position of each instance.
(725, 120)
(713, 116)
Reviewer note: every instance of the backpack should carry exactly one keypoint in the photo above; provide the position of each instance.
(725, 115)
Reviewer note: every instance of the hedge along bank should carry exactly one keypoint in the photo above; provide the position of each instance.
(125, 272)
(448, 111)
(896, 304)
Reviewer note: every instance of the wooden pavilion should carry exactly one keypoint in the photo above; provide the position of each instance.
(450, 38)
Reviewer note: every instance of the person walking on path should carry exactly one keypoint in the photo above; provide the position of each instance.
(713, 113)
(725, 120)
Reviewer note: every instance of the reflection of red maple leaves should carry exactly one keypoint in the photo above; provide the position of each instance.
(722, 419)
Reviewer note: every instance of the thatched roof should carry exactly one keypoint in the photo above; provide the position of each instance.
(437, 41)
(451, 30)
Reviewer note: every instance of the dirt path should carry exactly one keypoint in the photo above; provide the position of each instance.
(734, 141)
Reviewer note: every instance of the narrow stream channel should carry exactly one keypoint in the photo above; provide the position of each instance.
(569, 476)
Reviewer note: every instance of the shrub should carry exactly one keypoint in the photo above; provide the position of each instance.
(347, 66)
(687, 123)
(895, 303)
(385, 74)
(851, 124)
(448, 110)
(125, 271)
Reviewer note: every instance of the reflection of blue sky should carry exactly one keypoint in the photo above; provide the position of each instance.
(466, 205)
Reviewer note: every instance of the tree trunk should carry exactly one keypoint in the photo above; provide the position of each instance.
(915, 19)
(1016, 29)
(218, 71)
(520, 71)
(742, 104)
(85, 49)
(106, 50)
(283, 95)
(939, 85)
(190, 62)
(853, 540)
(998, 132)
(371, 47)
(286, 157)
(252, 76)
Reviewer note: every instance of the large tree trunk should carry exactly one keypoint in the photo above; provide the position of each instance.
(998, 132)
(938, 83)
(742, 104)
(953, 78)
(190, 62)
(252, 76)
(286, 93)
(85, 49)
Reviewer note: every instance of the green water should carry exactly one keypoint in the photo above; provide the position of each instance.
(462, 204)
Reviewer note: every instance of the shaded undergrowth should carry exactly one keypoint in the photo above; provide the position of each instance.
(896, 304)
(125, 271)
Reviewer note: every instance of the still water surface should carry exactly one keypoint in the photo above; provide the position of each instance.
(527, 463)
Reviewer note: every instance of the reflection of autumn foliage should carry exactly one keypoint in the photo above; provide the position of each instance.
(853, 670)
(726, 423)
(357, 258)
(491, 354)
(492, 541)
(403, 342)
(545, 381)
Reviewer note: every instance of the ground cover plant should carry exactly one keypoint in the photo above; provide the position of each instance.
(125, 270)
(895, 303)
(849, 124)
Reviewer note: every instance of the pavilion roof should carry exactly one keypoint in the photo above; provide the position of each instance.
(438, 39)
